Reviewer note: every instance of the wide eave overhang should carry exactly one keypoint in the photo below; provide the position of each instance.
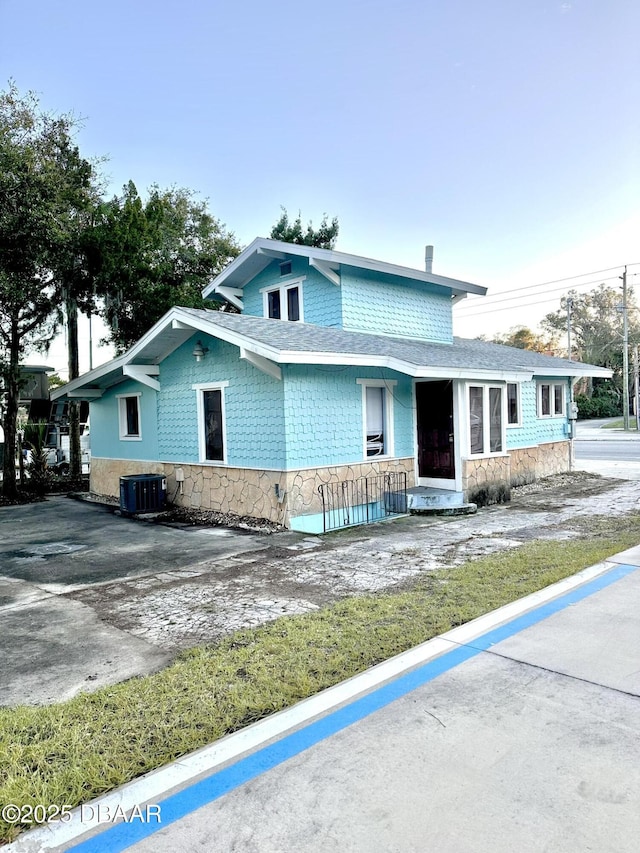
(262, 251)
(142, 361)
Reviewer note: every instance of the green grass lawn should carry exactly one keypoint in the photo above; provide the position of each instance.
(71, 752)
(620, 424)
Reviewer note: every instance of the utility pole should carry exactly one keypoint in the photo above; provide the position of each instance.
(572, 422)
(625, 351)
(636, 385)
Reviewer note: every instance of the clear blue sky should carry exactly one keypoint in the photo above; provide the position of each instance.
(505, 133)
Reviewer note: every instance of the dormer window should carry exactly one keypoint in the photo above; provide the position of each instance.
(284, 302)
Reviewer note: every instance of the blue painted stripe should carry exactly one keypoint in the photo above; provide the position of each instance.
(122, 835)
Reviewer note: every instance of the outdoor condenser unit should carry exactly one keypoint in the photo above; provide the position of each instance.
(142, 493)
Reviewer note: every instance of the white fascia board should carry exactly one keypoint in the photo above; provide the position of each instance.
(88, 378)
(143, 373)
(409, 369)
(264, 364)
(87, 394)
(117, 364)
(235, 265)
(574, 372)
(332, 259)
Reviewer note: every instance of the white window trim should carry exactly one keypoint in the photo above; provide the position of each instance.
(486, 425)
(199, 388)
(552, 400)
(518, 385)
(388, 385)
(122, 416)
(282, 287)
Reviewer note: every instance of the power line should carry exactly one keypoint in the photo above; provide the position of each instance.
(544, 293)
(567, 278)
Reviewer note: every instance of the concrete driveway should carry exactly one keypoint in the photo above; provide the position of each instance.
(51, 645)
(88, 598)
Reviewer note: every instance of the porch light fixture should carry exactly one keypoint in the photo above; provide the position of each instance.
(199, 351)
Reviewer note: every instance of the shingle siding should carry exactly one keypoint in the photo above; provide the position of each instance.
(535, 430)
(253, 407)
(320, 298)
(323, 410)
(395, 307)
(105, 428)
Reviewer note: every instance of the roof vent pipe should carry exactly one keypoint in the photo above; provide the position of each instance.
(428, 258)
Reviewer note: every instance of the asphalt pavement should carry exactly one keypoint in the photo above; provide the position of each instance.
(52, 646)
(609, 452)
(518, 731)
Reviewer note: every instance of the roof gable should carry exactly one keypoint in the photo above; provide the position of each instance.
(262, 251)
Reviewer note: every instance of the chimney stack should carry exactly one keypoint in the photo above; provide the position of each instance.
(428, 258)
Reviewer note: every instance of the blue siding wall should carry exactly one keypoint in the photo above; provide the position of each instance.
(253, 407)
(395, 306)
(105, 425)
(535, 430)
(320, 298)
(323, 407)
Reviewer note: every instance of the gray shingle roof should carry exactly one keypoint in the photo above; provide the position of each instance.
(463, 353)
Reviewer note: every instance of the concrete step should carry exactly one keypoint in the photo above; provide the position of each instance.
(425, 500)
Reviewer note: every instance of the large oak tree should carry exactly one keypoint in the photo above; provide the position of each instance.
(44, 183)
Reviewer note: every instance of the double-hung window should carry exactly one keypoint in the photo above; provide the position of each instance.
(212, 439)
(129, 417)
(486, 422)
(377, 416)
(551, 399)
(284, 302)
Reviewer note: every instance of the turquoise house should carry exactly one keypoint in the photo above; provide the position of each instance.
(338, 387)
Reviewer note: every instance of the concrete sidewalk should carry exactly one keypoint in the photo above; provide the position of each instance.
(517, 731)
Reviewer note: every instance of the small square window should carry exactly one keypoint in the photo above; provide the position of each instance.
(551, 400)
(285, 268)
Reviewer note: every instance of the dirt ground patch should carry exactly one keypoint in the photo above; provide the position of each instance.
(560, 490)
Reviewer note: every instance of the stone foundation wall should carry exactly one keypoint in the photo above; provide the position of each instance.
(486, 480)
(532, 463)
(303, 497)
(243, 491)
(489, 480)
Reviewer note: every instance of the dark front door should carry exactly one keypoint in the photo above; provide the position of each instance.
(434, 404)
